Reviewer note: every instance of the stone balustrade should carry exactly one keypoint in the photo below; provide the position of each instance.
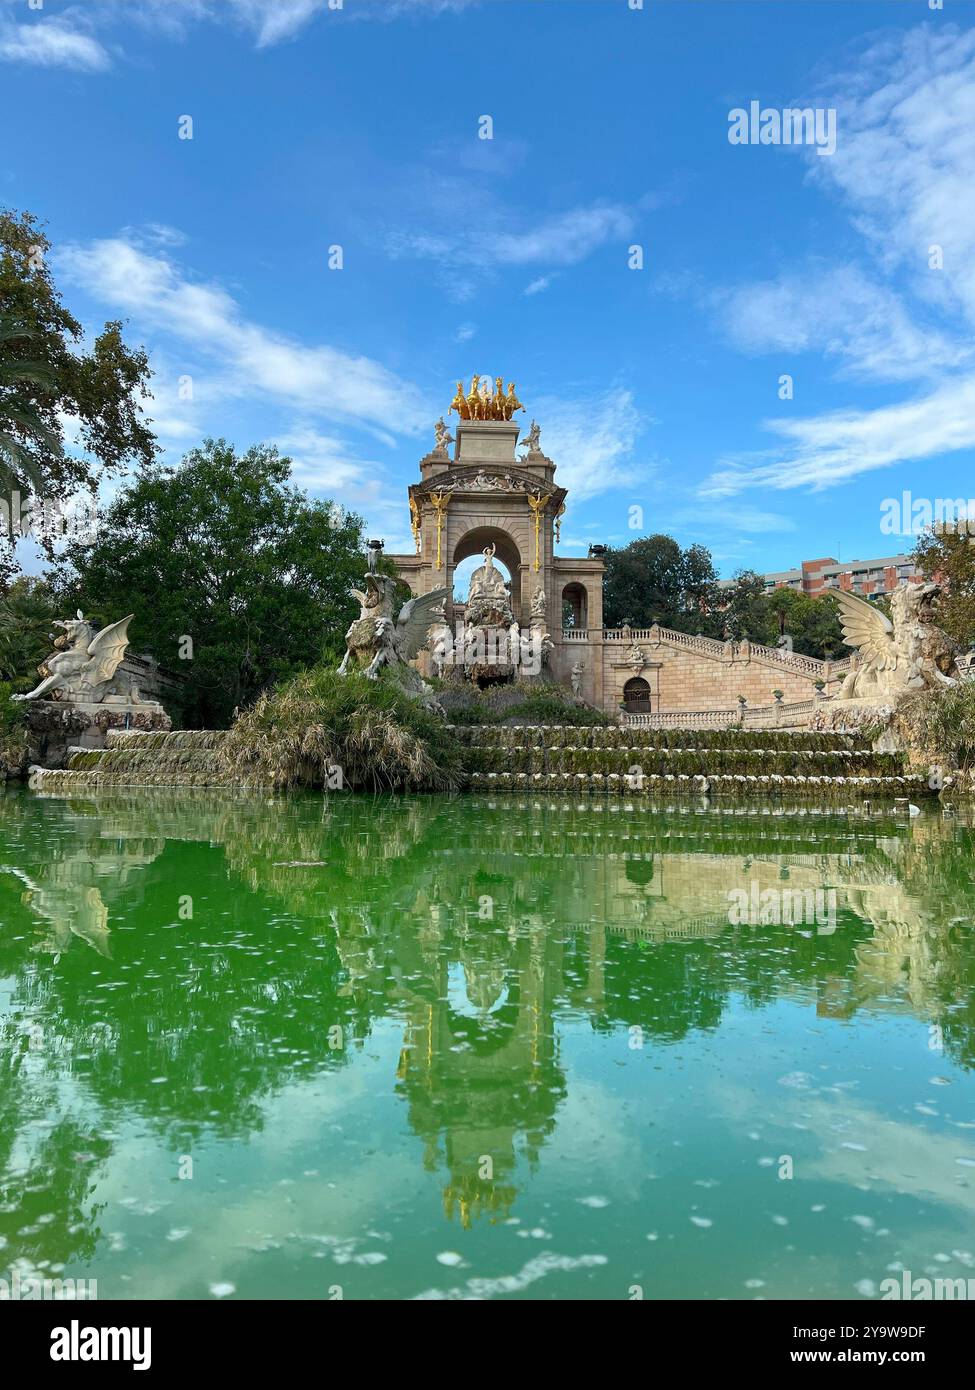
(728, 651)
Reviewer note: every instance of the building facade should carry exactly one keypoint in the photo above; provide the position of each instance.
(867, 578)
(476, 492)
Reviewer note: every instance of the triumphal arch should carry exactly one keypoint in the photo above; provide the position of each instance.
(485, 492)
(481, 493)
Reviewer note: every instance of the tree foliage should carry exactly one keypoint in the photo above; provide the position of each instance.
(654, 579)
(812, 625)
(47, 376)
(948, 556)
(236, 578)
(26, 616)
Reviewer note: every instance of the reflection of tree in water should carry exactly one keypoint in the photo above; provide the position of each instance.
(476, 925)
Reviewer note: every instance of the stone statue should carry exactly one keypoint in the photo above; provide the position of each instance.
(374, 640)
(910, 653)
(488, 600)
(84, 667)
(538, 605)
(443, 436)
(575, 678)
(440, 644)
(533, 439)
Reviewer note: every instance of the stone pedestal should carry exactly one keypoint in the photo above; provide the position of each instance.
(55, 725)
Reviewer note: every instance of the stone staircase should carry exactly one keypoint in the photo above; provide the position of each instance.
(721, 762)
(726, 763)
(183, 758)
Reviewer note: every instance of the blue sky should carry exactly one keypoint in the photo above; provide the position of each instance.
(655, 388)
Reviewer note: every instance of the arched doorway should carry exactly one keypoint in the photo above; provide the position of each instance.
(470, 547)
(575, 607)
(636, 696)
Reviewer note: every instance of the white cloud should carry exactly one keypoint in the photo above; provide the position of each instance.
(841, 313)
(592, 442)
(540, 285)
(563, 239)
(905, 165)
(828, 449)
(52, 43)
(905, 162)
(317, 379)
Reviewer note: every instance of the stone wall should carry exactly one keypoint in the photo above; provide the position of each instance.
(685, 672)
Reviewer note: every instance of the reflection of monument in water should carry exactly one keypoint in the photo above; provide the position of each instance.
(479, 1066)
(477, 931)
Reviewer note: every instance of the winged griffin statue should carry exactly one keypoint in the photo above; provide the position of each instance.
(83, 668)
(374, 640)
(909, 653)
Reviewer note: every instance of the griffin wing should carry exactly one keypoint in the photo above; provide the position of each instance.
(106, 650)
(866, 628)
(415, 620)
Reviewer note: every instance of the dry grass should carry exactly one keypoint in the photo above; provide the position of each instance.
(371, 731)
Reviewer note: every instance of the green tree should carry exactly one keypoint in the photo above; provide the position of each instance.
(745, 610)
(812, 625)
(236, 578)
(655, 579)
(948, 556)
(46, 376)
(26, 616)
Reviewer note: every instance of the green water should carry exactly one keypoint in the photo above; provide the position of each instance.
(464, 1048)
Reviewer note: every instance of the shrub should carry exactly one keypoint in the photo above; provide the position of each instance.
(522, 702)
(378, 736)
(14, 752)
(940, 724)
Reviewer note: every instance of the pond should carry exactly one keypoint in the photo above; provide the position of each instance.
(473, 1048)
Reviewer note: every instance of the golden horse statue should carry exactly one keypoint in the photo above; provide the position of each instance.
(497, 400)
(459, 403)
(511, 402)
(481, 403)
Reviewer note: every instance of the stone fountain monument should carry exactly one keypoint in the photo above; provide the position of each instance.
(894, 657)
(83, 692)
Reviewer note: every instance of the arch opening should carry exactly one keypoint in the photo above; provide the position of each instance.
(575, 606)
(637, 696)
(468, 555)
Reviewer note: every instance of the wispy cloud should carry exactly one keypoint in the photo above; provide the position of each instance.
(905, 166)
(823, 450)
(251, 358)
(52, 43)
(561, 239)
(540, 285)
(841, 313)
(68, 41)
(593, 441)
